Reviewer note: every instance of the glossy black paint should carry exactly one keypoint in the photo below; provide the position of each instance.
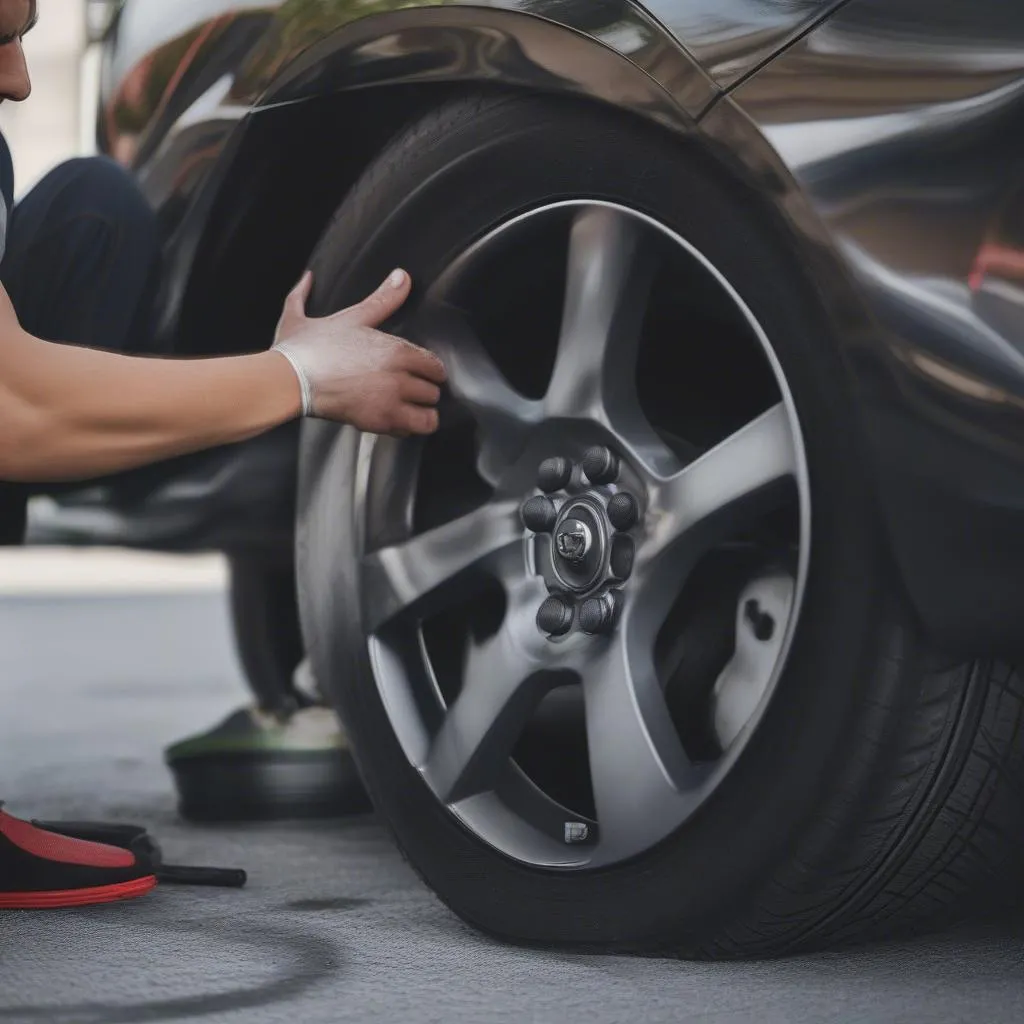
(732, 39)
(176, 111)
(894, 134)
(603, 49)
(884, 136)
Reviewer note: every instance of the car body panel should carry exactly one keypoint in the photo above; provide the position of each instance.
(894, 131)
(901, 136)
(883, 133)
(180, 114)
(731, 39)
(156, 40)
(199, 66)
(212, 69)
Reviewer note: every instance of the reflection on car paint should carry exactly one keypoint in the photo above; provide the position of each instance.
(143, 74)
(885, 133)
(903, 135)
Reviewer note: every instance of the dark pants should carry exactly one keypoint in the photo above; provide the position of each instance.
(82, 267)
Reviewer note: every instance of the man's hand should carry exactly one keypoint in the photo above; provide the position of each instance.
(355, 374)
(72, 413)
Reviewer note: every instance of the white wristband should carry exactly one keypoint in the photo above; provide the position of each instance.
(304, 386)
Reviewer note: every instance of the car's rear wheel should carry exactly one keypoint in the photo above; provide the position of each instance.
(620, 649)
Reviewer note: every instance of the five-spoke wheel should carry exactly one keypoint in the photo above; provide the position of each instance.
(593, 526)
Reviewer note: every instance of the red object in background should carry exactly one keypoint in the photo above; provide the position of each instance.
(40, 869)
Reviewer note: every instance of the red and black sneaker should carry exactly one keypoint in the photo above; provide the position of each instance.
(40, 869)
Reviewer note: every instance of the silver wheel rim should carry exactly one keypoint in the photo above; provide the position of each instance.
(645, 783)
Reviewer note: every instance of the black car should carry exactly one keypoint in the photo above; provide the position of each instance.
(693, 629)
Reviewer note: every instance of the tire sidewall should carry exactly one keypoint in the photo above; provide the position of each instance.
(426, 200)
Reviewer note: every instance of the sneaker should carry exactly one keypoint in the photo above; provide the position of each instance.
(260, 766)
(40, 869)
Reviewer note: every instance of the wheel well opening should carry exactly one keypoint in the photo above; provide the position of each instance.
(294, 167)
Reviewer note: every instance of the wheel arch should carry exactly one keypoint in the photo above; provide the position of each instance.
(320, 120)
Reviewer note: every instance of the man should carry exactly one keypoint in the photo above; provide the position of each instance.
(73, 272)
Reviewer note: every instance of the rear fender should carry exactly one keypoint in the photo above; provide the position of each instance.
(321, 117)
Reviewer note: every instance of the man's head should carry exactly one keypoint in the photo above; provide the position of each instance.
(16, 18)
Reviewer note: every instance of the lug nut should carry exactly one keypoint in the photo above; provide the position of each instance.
(761, 622)
(598, 614)
(539, 514)
(623, 511)
(554, 474)
(622, 557)
(600, 465)
(555, 617)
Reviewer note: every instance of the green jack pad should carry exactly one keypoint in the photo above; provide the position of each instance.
(258, 767)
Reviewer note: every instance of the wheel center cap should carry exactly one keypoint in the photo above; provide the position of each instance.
(579, 546)
(574, 541)
(581, 542)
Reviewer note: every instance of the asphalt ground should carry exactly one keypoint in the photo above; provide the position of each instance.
(333, 926)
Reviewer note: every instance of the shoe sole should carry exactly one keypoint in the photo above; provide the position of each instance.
(77, 897)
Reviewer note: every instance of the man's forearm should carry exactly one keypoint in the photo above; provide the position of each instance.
(72, 413)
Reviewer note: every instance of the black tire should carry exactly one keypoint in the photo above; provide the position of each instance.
(879, 790)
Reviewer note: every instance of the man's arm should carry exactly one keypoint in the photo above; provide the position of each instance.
(73, 413)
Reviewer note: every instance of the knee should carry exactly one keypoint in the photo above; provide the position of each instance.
(95, 174)
(99, 187)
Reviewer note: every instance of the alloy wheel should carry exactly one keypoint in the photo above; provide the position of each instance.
(590, 526)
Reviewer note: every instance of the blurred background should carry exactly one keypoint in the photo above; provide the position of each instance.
(55, 123)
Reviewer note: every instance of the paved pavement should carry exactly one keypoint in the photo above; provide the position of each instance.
(333, 926)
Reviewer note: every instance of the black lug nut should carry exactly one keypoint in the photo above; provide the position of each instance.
(623, 511)
(763, 624)
(555, 617)
(598, 614)
(539, 514)
(600, 465)
(554, 474)
(622, 557)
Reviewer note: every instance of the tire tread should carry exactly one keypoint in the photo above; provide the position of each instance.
(922, 819)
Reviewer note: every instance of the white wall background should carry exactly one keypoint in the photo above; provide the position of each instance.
(55, 123)
(47, 128)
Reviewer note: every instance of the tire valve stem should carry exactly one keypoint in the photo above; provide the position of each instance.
(762, 623)
(576, 832)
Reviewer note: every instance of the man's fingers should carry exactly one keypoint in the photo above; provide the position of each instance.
(424, 363)
(417, 419)
(419, 391)
(295, 304)
(382, 304)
